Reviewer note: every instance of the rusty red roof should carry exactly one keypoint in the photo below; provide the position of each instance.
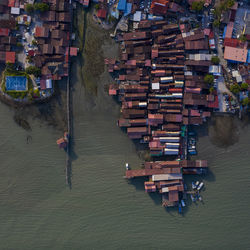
(10, 57)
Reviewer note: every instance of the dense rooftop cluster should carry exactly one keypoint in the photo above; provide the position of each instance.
(160, 78)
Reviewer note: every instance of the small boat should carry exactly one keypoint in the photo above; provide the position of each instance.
(127, 166)
(200, 198)
(193, 198)
(197, 183)
(183, 203)
(180, 208)
(194, 186)
(200, 186)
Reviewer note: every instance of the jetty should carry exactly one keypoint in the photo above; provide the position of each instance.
(160, 83)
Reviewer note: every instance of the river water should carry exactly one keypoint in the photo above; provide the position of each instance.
(103, 210)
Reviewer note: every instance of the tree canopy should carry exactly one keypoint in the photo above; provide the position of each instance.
(244, 86)
(215, 60)
(235, 88)
(245, 101)
(41, 7)
(197, 6)
(32, 70)
(29, 8)
(209, 79)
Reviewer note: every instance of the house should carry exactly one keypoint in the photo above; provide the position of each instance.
(64, 17)
(102, 13)
(4, 32)
(235, 54)
(159, 7)
(10, 57)
(47, 49)
(41, 32)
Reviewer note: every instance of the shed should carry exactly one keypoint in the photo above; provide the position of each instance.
(137, 16)
(122, 5)
(15, 11)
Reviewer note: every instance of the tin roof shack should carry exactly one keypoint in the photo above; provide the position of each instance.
(137, 132)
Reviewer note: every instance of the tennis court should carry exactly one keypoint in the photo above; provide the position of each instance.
(16, 83)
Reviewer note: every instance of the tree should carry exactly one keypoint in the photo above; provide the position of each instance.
(97, 6)
(32, 70)
(235, 88)
(41, 7)
(211, 90)
(34, 42)
(29, 8)
(216, 23)
(244, 86)
(242, 38)
(215, 60)
(230, 3)
(197, 6)
(209, 79)
(245, 101)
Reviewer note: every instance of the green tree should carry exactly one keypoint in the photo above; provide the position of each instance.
(235, 88)
(215, 60)
(230, 3)
(32, 70)
(245, 101)
(197, 6)
(244, 86)
(97, 6)
(209, 79)
(211, 90)
(29, 8)
(243, 38)
(216, 23)
(34, 42)
(41, 7)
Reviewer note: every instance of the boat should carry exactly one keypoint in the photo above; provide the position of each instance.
(127, 166)
(194, 186)
(197, 183)
(200, 198)
(180, 208)
(200, 186)
(192, 198)
(183, 203)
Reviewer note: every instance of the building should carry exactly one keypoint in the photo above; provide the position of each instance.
(235, 54)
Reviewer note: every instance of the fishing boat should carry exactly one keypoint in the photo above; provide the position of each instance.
(127, 166)
(200, 198)
(193, 198)
(183, 203)
(180, 208)
(200, 186)
(194, 186)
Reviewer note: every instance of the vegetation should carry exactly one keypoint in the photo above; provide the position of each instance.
(243, 38)
(34, 42)
(235, 88)
(33, 70)
(209, 79)
(42, 7)
(223, 6)
(211, 90)
(197, 6)
(215, 60)
(97, 6)
(18, 44)
(244, 86)
(29, 8)
(245, 101)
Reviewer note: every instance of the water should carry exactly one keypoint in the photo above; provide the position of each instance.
(103, 210)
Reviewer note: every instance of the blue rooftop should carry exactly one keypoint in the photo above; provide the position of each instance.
(128, 9)
(16, 83)
(248, 56)
(122, 5)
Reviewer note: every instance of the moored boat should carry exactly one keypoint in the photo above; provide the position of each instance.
(200, 186)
